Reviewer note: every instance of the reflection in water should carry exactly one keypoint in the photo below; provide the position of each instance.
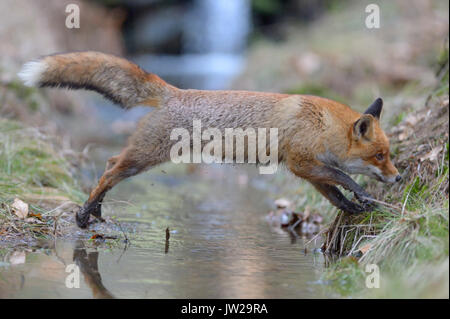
(166, 249)
(88, 263)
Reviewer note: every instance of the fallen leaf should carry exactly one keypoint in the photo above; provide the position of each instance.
(20, 208)
(432, 155)
(102, 237)
(365, 248)
(97, 236)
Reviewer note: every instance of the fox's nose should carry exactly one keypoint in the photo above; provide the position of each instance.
(398, 178)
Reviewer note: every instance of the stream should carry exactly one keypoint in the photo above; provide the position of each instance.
(220, 245)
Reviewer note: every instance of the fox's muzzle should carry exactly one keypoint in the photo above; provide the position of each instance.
(390, 179)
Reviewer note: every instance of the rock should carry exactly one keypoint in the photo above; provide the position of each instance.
(282, 203)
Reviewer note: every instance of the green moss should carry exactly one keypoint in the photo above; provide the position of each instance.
(30, 165)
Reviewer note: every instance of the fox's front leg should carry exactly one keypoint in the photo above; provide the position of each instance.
(333, 176)
(324, 178)
(334, 195)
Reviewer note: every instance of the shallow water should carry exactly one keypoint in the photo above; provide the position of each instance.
(220, 245)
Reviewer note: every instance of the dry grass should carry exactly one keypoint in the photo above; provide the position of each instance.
(407, 235)
(33, 170)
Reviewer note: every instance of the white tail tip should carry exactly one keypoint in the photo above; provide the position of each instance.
(31, 72)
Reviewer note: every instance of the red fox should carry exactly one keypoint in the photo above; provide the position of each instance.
(319, 139)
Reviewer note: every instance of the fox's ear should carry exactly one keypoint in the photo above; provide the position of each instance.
(375, 108)
(363, 128)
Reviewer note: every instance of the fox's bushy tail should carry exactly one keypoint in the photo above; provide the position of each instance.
(117, 79)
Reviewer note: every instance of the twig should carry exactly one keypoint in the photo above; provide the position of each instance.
(385, 204)
(123, 251)
(335, 231)
(121, 229)
(58, 207)
(315, 236)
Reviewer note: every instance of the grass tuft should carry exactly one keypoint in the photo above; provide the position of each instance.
(33, 170)
(407, 236)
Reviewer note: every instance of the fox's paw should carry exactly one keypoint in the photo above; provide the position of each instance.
(369, 206)
(366, 200)
(82, 216)
(352, 208)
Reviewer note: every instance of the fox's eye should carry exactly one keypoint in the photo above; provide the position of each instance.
(379, 156)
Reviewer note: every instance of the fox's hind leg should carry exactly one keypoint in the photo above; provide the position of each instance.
(147, 147)
(97, 210)
(124, 166)
(130, 162)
